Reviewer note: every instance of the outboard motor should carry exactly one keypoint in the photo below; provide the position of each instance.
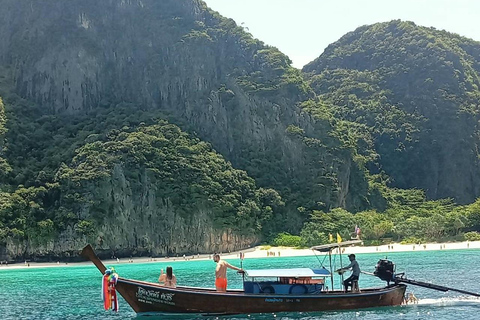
(385, 270)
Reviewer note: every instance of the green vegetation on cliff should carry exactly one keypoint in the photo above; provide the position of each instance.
(185, 171)
(66, 169)
(4, 166)
(182, 62)
(183, 133)
(409, 218)
(416, 90)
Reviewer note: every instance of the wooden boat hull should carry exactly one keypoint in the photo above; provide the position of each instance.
(146, 297)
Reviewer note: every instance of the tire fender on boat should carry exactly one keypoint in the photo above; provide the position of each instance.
(298, 289)
(268, 289)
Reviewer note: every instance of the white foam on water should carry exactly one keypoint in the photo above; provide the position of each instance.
(459, 301)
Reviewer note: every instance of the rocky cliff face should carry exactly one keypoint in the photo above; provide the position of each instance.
(137, 193)
(138, 223)
(4, 167)
(418, 90)
(69, 56)
(200, 69)
(411, 94)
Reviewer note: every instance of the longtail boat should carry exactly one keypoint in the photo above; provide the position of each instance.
(287, 290)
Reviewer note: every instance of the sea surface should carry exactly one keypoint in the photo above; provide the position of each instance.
(74, 292)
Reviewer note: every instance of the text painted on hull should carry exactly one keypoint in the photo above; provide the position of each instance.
(152, 296)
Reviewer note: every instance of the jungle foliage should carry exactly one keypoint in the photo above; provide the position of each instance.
(410, 218)
(405, 99)
(56, 160)
(409, 96)
(395, 114)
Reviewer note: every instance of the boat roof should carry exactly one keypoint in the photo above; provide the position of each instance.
(288, 273)
(330, 246)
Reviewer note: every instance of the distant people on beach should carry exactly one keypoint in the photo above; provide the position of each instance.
(168, 279)
(272, 253)
(221, 273)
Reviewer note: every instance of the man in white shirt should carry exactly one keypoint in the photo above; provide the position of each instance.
(355, 271)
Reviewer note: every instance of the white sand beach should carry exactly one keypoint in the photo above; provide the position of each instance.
(261, 252)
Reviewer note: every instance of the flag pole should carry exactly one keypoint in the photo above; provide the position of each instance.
(242, 255)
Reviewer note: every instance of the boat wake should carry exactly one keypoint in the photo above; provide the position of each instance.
(449, 302)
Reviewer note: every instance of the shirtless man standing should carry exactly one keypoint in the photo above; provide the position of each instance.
(221, 273)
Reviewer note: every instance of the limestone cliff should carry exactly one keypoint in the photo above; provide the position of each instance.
(4, 166)
(174, 59)
(146, 191)
(417, 89)
(203, 71)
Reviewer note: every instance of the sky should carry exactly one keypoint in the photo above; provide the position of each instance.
(302, 29)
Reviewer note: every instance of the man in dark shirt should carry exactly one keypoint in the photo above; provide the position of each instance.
(355, 271)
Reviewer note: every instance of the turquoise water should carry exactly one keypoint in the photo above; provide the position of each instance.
(74, 292)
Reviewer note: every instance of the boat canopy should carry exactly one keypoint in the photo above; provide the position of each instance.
(287, 273)
(331, 246)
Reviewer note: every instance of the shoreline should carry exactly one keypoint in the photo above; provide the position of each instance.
(259, 252)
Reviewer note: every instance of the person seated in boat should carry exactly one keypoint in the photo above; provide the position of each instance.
(355, 272)
(168, 279)
(221, 273)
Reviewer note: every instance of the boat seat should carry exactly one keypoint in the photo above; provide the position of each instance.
(355, 287)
